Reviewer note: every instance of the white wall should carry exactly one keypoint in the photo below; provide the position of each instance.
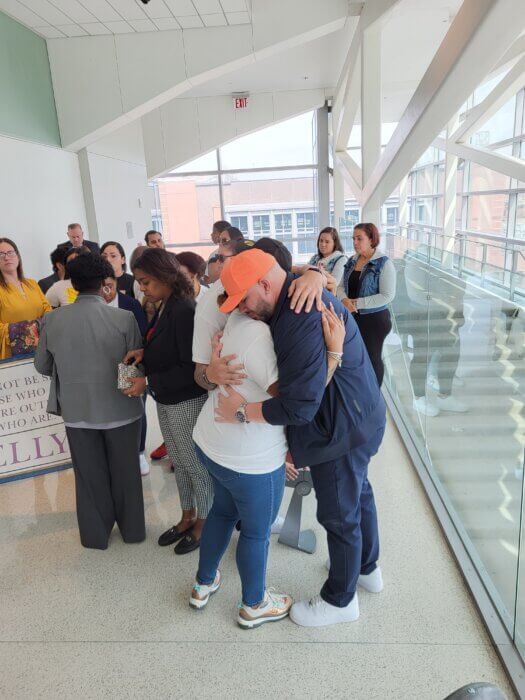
(118, 199)
(40, 194)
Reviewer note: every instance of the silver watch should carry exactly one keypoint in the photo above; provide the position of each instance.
(240, 413)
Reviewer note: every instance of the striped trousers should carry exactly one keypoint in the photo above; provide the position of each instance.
(193, 480)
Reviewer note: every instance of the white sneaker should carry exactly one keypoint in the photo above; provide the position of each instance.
(373, 583)
(200, 593)
(277, 525)
(144, 465)
(425, 407)
(316, 612)
(449, 403)
(274, 607)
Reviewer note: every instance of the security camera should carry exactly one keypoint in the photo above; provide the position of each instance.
(145, 2)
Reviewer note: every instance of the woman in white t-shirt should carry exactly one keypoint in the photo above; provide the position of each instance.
(246, 462)
(61, 293)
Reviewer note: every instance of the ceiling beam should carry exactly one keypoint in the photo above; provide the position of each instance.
(507, 165)
(477, 39)
(351, 172)
(481, 113)
(349, 85)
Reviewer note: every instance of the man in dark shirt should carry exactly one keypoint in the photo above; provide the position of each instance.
(58, 262)
(335, 424)
(76, 238)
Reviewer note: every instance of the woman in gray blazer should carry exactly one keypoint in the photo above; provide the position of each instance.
(80, 348)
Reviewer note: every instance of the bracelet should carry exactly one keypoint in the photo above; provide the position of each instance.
(336, 356)
(206, 380)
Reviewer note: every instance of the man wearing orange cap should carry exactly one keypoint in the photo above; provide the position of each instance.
(334, 423)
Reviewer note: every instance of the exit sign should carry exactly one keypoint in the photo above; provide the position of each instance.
(240, 101)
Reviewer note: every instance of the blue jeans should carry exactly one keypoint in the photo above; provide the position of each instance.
(254, 499)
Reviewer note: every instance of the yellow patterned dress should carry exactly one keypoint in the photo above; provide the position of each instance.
(26, 304)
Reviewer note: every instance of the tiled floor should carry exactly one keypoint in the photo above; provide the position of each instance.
(76, 623)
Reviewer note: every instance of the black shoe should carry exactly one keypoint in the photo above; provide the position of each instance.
(188, 544)
(171, 536)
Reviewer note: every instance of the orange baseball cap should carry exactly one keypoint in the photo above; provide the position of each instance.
(241, 272)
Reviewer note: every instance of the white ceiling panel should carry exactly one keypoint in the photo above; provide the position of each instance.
(238, 17)
(207, 7)
(74, 18)
(127, 9)
(215, 20)
(50, 32)
(48, 12)
(156, 9)
(102, 10)
(73, 9)
(190, 22)
(119, 27)
(72, 30)
(96, 28)
(166, 24)
(143, 25)
(181, 8)
(234, 5)
(20, 12)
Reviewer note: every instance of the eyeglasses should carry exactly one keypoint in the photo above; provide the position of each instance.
(7, 254)
(225, 241)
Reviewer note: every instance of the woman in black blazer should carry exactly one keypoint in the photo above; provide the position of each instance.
(167, 358)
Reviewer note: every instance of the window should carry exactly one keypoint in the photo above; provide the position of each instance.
(392, 216)
(283, 226)
(306, 225)
(261, 225)
(240, 222)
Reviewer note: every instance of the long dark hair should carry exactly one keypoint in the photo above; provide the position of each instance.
(164, 267)
(119, 248)
(19, 269)
(335, 237)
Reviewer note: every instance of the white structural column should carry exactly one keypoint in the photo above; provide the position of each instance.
(450, 196)
(339, 195)
(371, 113)
(323, 178)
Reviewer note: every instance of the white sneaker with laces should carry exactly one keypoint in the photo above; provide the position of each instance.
(277, 525)
(200, 593)
(426, 407)
(316, 612)
(373, 582)
(274, 607)
(449, 403)
(144, 465)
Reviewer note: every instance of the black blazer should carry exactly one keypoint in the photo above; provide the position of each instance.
(168, 353)
(93, 247)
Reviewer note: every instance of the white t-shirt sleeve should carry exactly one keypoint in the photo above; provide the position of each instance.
(208, 321)
(52, 295)
(260, 361)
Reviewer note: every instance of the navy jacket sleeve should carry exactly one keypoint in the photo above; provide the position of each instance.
(130, 304)
(301, 360)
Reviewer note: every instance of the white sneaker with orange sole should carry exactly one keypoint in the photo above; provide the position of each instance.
(200, 593)
(274, 607)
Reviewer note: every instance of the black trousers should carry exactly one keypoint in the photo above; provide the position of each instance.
(374, 329)
(108, 483)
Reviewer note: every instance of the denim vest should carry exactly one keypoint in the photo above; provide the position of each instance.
(328, 266)
(369, 279)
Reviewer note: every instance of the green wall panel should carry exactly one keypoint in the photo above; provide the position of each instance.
(27, 104)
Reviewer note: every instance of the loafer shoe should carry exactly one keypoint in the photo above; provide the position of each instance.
(188, 544)
(171, 536)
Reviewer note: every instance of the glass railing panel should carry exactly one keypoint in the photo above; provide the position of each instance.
(462, 348)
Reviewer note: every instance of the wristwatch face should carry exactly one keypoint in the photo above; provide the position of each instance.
(240, 416)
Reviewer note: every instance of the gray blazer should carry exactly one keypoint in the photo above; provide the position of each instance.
(80, 348)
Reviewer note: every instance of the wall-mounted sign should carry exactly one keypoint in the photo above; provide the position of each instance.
(31, 439)
(240, 100)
